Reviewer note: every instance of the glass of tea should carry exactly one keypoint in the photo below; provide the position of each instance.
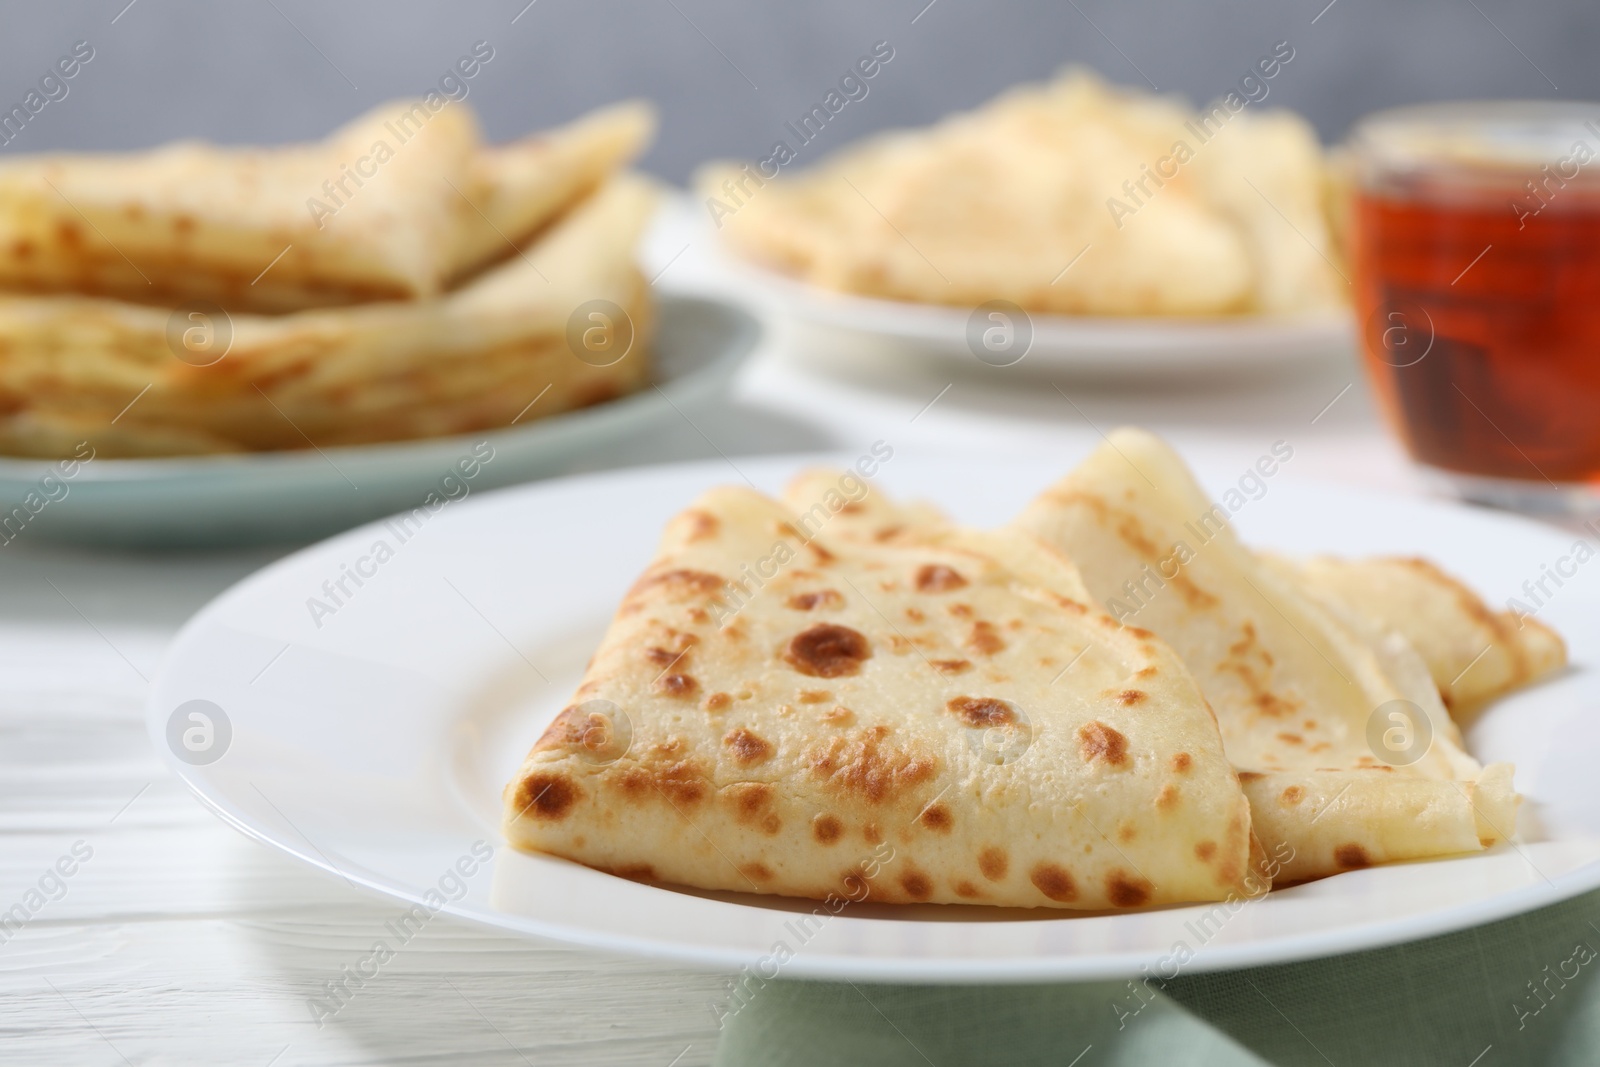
(1475, 245)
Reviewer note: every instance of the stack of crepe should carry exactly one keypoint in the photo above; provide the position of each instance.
(1072, 197)
(400, 279)
(838, 695)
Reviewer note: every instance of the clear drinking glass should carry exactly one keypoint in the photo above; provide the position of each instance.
(1475, 245)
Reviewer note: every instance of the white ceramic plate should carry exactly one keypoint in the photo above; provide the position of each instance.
(1082, 346)
(373, 741)
(277, 496)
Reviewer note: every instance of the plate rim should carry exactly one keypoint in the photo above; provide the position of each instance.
(921, 969)
(927, 321)
(959, 970)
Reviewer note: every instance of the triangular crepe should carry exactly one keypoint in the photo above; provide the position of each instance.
(398, 204)
(519, 187)
(1296, 686)
(924, 720)
(1000, 202)
(1473, 652)
(368, 214)
(1266, 174)
(78, 368)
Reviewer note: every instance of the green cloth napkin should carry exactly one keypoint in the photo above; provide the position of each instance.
(1519, 991)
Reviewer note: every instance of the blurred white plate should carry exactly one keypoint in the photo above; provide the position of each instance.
(277, 496)
(1079, 346)
(685, 249)
(373, 741)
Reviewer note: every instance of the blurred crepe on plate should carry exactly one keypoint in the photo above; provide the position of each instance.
(470, 360)
(397, 280)
(1001, 203)
(519, 187)
(392, 206)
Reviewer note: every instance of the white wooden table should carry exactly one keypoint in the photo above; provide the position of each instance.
(179, 941)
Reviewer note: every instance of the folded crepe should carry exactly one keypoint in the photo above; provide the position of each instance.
(80, 368)
(1000, 202)
(1296, 683)
(1473, 652)
(519, 187)
(393, 206)
(1265, 173)
(928, 718)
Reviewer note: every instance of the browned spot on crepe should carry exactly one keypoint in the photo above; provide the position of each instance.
(635, 872)
(675, 685)
(747, 747)
(828, 651)
(868, 766)
(937, 817)
(1351, 857)
(821, 598)
(826, 828)
(994, 863)
(702, 525)
(575, 728)
(985, 639)
(982, 711)
(1097, 741)
(546, 796)
(750, 803)
(682, 783)
(1054, 881)
(1125, 890)
(679, 581)
(938, 578)
(918, 886)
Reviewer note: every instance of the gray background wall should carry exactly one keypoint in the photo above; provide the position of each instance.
(727, 73)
